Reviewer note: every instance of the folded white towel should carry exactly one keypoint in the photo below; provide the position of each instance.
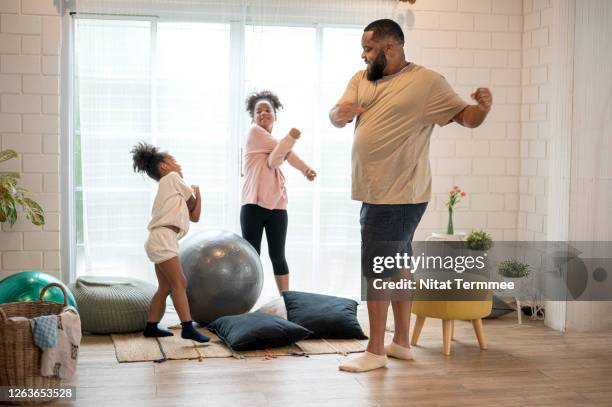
(61, 360)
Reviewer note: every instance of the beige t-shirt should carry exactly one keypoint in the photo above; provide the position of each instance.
(170, 204)
(390, 157)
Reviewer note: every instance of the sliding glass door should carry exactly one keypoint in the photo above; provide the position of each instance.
(113, 87)
(181, 85)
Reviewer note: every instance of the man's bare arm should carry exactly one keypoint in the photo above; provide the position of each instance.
(474, 115)
(344, 113)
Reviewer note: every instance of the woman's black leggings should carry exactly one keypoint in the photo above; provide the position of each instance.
(253, 220)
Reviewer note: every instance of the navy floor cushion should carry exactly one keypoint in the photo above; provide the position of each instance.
(326, 316)
(257, 330)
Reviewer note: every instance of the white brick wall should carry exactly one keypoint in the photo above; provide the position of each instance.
(41, 84)
(20, 64)
(486, 22)
(537, 57)
(20, 24)
(39, 7)
(475, 6)
(479, 40)
(476, 43)
(508, 49)
(29, 123)
(21, 103)
(31, 44)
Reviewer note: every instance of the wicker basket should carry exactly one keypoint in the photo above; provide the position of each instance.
(20, 358)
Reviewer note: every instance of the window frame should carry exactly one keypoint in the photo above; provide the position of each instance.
(237, 74)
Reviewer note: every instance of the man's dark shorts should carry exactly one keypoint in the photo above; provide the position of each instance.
(385, 231)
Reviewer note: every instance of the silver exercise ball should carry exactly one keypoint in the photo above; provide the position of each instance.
(223, 272)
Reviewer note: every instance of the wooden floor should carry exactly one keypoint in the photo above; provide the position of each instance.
(525, 365)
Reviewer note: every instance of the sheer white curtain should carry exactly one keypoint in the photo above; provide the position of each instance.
(175, 73)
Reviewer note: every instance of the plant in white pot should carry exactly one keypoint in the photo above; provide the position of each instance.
(13, 196)
(516, 272)
(513, 269)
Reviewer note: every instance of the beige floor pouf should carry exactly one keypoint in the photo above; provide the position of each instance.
(112, 304)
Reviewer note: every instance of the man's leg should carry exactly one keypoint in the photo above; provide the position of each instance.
(372, 230)
(377, 314)
(401, 315)
(374, 357)
(400, 346)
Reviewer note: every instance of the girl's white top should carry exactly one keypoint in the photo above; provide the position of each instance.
(170, 205)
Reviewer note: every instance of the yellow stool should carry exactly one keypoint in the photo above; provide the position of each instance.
(470, 305)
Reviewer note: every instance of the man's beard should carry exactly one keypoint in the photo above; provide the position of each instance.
(377, 67)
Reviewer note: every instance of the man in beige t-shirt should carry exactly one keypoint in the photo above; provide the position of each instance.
(396, 104)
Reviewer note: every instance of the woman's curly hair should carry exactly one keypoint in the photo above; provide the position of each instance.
(147, 158)
(266, 95)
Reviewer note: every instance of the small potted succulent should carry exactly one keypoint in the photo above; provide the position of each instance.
(513, 269)
(516, 272)
(13, 196)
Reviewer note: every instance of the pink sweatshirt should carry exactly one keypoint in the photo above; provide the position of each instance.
(264, 183)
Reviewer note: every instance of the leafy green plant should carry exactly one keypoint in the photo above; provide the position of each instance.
(12, 196)
(514, 269)
(478, 240)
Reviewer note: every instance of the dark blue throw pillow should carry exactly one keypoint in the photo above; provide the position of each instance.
(326, 316)
(257, 330)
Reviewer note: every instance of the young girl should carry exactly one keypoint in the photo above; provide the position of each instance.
(175, 205)
(264, 197)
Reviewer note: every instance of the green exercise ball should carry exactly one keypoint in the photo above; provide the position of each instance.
(27, 285)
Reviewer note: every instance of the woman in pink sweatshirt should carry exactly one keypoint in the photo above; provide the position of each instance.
(264, 197)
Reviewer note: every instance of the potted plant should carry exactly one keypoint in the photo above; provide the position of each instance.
(12, 196)
(476, 243)
(516, 272)
(513, 269)
(478, 240)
